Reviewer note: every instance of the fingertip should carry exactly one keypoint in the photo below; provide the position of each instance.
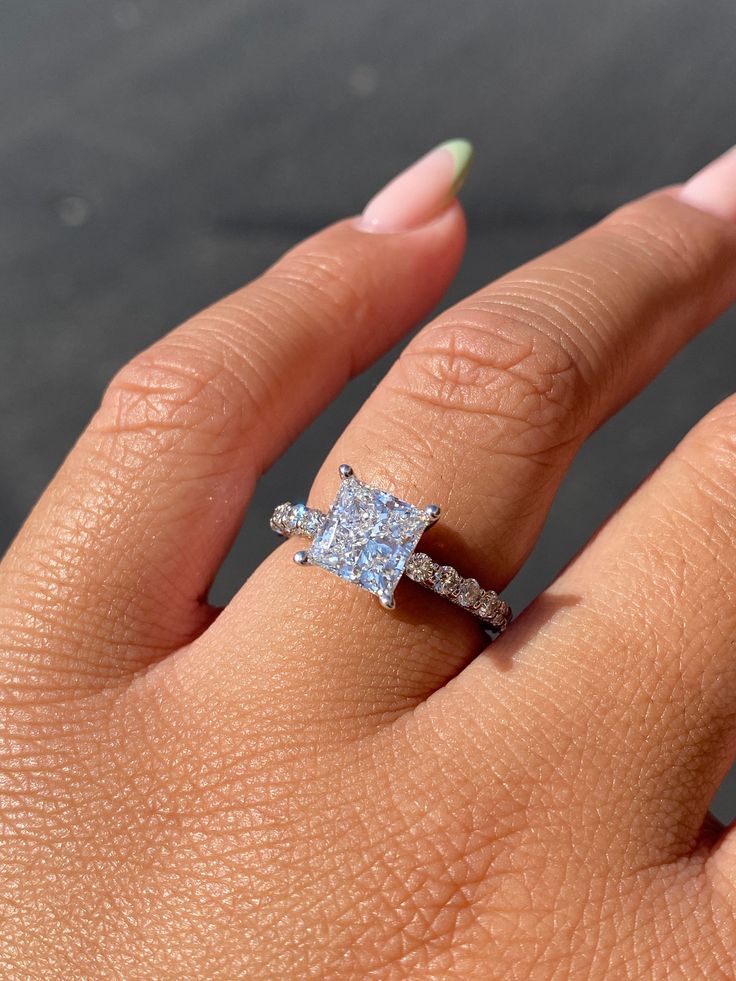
(413, 264)
(416, 267)
(421, 192)
(713, 189)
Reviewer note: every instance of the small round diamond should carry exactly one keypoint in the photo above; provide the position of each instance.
(310, 521)
(280, 518)
(421, 568)
(469, 593)
(290, 520)
(447, 581)
(488, 604)
(494, 611)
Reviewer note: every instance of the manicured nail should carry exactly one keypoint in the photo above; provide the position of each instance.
(420, 193)
(713, 189)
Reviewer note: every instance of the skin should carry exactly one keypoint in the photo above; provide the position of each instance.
(303, 785)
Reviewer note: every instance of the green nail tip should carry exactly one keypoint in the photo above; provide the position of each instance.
(461, 152)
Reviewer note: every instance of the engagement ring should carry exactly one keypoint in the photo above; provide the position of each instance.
(369, 537)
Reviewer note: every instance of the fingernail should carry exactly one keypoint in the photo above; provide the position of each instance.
(713, 189)
(420, 193)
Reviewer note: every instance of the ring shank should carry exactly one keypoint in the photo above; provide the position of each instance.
(298, 520)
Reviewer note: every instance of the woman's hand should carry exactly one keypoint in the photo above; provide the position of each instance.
(305, 785)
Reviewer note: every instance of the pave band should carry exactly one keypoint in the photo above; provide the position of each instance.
(369, 538)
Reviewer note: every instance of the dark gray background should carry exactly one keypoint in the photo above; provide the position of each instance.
(154, 156)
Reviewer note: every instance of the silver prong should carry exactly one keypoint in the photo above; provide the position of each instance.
(301, 557)
(387, 601)
(345, 471)
(432, 513)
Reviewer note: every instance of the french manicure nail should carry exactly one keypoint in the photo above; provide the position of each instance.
(713, 189)
(420, 193)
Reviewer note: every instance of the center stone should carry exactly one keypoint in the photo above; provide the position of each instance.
(368, 537)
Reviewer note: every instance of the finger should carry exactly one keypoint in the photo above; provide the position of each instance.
(118, 556)
(628, 660)
(483, 414)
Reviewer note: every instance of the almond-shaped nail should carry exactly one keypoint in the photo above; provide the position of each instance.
(420, 193)
(713, 189)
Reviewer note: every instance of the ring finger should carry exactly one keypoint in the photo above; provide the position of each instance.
(483, 413)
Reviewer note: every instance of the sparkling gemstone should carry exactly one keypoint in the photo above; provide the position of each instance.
(310, 521)
(280, 518)
(368, 537)
(488, 605)
(421, 568)
(304, 520)
(469, 593)
(494, 611)
(290, 519)
(447, 581)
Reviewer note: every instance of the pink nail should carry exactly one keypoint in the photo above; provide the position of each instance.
(420, 193)
(713, 189)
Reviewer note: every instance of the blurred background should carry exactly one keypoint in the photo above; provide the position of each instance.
(154, 156)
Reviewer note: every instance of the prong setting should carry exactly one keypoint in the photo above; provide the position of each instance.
(345, 471)
(301, 557)
(432, 513)
(387, 601)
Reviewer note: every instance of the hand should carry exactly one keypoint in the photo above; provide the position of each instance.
(306, 785)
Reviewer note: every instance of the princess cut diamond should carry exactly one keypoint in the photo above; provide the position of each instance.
(368, 537)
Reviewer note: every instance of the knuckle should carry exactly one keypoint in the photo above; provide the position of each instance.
(501, 360)
(215, 373)
(322, 285)
(178, 386)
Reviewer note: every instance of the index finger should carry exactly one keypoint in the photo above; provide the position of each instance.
(114, 565)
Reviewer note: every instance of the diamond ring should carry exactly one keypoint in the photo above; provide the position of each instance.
(369, 538)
